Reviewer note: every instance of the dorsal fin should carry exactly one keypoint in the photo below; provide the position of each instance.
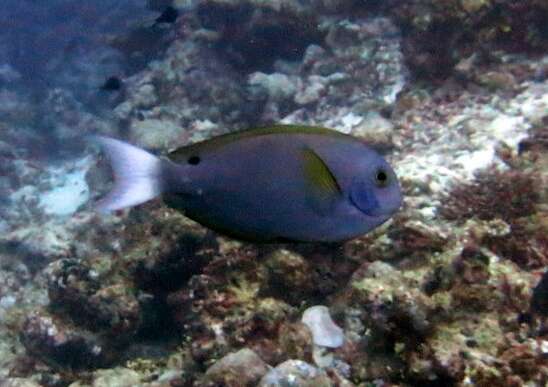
(181, 154)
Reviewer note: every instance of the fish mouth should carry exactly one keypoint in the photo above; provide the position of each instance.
(374, 210)
(380, 205)
(377, 215)
(366, 202)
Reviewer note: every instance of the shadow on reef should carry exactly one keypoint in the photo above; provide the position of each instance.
(33, 260)
(437, 35)
(248, 35)
(254, 37)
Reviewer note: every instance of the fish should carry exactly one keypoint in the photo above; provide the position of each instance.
(112, 84)
(169, 16)
(283, 183)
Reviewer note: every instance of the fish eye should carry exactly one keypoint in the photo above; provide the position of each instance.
(381, 178)
(194, 160)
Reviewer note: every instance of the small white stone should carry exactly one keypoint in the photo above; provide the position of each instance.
(70, 189)
(544, 347)
(324, 331)
(349, 121)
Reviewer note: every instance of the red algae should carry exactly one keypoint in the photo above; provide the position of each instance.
(513, 196)
(507, 195)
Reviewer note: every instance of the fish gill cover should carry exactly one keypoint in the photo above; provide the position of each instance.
(453, 93)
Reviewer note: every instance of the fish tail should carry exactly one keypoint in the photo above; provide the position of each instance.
(138, 175)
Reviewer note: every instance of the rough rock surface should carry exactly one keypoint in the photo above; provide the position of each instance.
(243, 368)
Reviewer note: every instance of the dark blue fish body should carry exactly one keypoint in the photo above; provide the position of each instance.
(279, 183)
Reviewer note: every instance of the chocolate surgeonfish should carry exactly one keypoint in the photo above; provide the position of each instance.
(280, 183)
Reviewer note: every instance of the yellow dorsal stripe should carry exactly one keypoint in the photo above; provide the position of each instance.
(224, 139)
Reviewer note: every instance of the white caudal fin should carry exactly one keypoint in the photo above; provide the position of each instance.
(137, 175)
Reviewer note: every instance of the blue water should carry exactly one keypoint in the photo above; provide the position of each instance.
(62, 43)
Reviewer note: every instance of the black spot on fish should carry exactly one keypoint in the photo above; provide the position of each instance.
(112, 84)
(194, 160)
(169, 15)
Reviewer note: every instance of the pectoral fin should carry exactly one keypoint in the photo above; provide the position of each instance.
(322, 188)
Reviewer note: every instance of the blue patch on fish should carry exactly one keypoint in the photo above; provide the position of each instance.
(283, 182)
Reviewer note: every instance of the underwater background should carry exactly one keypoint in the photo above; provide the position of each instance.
(452, 291)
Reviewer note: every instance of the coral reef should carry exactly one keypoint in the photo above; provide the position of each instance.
(60, 345)
(510, 197)
(451, 292)
(440, 36)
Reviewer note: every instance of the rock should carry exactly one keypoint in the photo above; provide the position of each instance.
(324, 331)
(295, 373)
(375, 129)
(494, 80)
(155, 133)
(145, 96)
(115, 377)
(278, 87)
(534, 105)
(18, 382)
(242, 368)
(295, 341)
(311, 90)
(289, 270)
(391, 303)
(111, 309)
(472, 6)
(61, 345)
(191, 82)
